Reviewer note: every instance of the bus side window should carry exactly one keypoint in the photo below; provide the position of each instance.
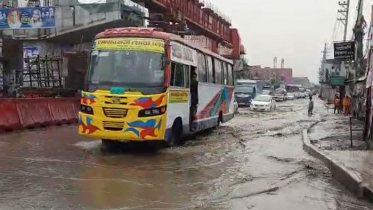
(230, 75)
(218, 72)
(225, 71)
(210, 69)
(177, 75)
(202, 70)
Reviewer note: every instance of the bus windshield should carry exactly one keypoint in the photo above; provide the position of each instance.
(126, 68)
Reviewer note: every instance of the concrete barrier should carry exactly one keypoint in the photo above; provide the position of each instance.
(349, 179)
(16, 114)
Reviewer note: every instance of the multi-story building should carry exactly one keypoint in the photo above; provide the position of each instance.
(282, 75)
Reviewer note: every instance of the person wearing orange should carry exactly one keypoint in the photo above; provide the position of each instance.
(337, 101)
(346, 105)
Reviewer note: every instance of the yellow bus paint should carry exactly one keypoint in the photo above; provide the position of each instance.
(121, 121)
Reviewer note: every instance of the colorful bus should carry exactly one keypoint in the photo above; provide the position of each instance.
(137, 87)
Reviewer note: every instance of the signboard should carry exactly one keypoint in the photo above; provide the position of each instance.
(139, 44)
(337, 81)
(183, 54)
(178, 96)
(344, 51)
(27, 18)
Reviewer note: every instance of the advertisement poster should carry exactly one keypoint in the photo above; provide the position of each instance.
(27, 18)
(31, 53)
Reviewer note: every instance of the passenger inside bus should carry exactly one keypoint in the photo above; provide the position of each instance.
(194, 98)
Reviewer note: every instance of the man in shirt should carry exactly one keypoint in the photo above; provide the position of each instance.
(194, 99)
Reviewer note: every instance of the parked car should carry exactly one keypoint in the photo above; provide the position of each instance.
(263, 103)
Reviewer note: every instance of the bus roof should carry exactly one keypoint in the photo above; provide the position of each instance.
(155, 33)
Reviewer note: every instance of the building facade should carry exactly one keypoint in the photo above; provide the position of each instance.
(282, 75)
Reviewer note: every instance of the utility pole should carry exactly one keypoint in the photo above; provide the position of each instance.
(321, 72)
(345, 5)
(359, 28)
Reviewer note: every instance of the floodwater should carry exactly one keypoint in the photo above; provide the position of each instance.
(255, 161)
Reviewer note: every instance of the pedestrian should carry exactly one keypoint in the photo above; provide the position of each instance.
(310, 107)
(194, 100)
(337, 101)
(346, 105)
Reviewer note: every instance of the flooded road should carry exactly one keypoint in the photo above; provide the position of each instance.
(255, 161)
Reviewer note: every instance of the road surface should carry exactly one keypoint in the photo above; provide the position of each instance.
(255, 161)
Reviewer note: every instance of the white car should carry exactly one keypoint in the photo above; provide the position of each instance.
(263, 103)
(290, 96)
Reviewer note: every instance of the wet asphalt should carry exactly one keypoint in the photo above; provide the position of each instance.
(255, 161)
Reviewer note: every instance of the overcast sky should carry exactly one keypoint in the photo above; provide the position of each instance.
(295, 30)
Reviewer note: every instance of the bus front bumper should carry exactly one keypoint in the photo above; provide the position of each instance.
(139, 129)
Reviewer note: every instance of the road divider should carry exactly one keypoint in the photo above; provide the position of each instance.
(17, 114)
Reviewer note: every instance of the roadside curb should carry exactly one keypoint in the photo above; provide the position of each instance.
(349, 179)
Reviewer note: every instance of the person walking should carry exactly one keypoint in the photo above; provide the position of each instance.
(346, 105)
(337, 101)
(310, 107)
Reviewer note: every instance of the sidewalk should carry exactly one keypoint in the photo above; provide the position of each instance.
(329, 140)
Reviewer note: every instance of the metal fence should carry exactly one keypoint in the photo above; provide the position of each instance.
(42, 71)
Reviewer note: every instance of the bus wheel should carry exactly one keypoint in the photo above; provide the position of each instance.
(176, 134)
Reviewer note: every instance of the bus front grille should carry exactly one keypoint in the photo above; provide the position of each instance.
(113, 126)
(115, 112)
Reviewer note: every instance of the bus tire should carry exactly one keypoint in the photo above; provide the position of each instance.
(176, 133)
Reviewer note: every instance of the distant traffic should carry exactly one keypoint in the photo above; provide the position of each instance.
(258, 96)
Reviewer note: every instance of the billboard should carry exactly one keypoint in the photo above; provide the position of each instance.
(344, 50)
(27, 18)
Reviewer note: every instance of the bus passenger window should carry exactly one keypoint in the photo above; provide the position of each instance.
(225, 71)
(177, 75)
(218, 73)
(230, 75)
(202, 70)
(210, 70)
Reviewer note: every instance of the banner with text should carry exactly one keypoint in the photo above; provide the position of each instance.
(139, 44)
(27, 18)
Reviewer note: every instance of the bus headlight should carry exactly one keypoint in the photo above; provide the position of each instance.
(86, 109)
(152, 112)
